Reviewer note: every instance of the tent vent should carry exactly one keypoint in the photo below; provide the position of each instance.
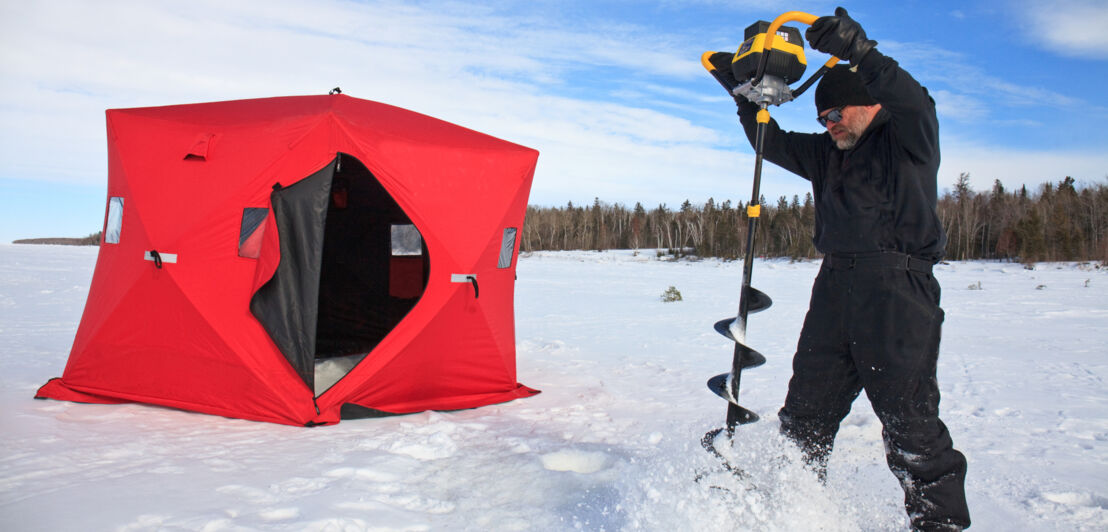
(199, 149)
(115, 220)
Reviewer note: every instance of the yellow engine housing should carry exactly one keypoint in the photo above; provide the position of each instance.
(786, 59)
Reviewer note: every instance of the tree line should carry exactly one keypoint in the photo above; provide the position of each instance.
(1056, 222)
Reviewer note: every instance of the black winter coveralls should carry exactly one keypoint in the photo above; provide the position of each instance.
(874, 319)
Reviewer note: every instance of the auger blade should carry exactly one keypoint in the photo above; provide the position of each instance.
(750, 357)
(759, 301)
(712, 475)
(724, 327)
(721, 386)
(708, 441)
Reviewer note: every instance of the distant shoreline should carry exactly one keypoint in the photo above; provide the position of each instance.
(91, 240)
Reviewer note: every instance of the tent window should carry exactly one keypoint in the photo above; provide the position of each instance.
(251, 231)
(507, 246)
(115, 220)
(406, 241)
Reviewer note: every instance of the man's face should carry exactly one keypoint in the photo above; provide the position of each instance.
(855, 120)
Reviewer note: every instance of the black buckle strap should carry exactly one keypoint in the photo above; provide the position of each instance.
(476, 291)
(874, 261)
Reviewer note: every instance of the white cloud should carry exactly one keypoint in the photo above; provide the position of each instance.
(1074, 28)
(972, 86)
(636, 136)
(959, 106)
(986, 163)
(65, 62)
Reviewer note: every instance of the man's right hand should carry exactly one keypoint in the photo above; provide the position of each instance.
(722, 63)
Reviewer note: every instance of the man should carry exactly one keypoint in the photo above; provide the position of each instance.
(874, 318)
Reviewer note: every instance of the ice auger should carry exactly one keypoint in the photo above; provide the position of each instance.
(769, 59)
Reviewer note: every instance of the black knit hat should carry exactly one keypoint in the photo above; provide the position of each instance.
(841, 86)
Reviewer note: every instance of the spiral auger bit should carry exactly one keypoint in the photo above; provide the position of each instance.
(770, 58)
(726, 385)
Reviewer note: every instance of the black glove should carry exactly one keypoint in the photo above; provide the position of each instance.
(840, 36)
(722, 62)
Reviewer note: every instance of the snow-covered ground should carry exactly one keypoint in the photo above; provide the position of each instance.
(612, 443)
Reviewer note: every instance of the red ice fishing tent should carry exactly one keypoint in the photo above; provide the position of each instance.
(246, 241)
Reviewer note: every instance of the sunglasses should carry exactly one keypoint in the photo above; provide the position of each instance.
(836, 115)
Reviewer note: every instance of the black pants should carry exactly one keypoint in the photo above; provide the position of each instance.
(874, 324)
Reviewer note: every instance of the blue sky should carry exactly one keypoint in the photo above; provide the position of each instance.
(610, 92)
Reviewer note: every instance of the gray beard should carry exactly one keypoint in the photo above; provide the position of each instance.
(847, 143)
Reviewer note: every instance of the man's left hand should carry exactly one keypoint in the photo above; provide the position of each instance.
(840, 36)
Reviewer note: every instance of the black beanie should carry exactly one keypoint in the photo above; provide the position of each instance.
(841, 86)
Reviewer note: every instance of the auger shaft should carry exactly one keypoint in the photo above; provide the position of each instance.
(753, 212)
(737, 415)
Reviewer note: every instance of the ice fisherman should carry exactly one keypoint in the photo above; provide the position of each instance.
(874, 319)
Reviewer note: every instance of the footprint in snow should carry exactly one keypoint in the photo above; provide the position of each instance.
(279, 514)
(1070, 498)
(584, 462)
(248, 494)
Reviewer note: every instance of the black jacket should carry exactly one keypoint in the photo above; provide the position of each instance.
(881, 194)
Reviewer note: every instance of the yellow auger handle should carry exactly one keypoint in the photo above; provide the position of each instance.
(792, 16)
(706, 62)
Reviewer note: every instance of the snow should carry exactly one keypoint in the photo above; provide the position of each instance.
(612, 443)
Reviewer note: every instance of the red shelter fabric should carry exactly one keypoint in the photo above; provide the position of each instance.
(168, 319)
